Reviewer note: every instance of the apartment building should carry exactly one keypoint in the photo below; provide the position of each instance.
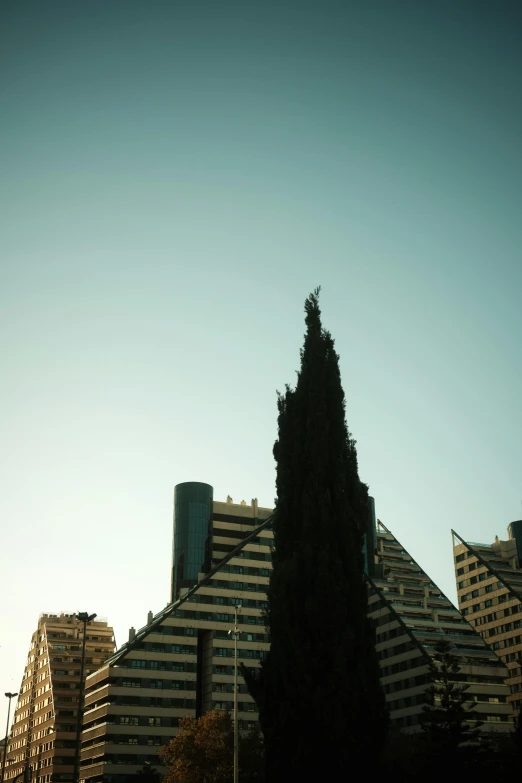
(489, 588)
(182, 661)
(411, 615)
(42, 737)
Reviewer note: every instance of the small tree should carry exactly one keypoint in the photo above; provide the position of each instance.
(203, 751)
(449, 719)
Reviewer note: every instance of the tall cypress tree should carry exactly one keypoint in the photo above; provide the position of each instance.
(321, 706)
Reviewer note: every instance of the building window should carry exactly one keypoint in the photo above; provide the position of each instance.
(182, 649)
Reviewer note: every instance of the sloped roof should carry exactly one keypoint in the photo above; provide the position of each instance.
(142, 633)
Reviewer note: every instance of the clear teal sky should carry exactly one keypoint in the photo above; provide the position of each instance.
(176, 177)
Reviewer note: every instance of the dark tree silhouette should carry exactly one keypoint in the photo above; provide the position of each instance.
(318, 690)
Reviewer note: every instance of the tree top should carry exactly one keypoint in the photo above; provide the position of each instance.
(313, 312)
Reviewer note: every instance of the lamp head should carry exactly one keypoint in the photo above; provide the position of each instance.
(85, 617)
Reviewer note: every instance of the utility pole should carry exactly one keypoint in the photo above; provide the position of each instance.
(83, 617)
(235, 634)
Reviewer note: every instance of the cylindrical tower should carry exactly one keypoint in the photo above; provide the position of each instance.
(515, 531)
(192, 540)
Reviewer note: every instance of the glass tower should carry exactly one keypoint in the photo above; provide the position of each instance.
(192, 534)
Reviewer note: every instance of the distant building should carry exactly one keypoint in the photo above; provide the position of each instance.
(489, 587)
(411, 615)
(43, 733)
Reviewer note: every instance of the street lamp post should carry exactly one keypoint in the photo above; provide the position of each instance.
(9, 696)
(235, 634)
(83, 617)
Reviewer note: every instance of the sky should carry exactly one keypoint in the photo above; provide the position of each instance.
(176, 177)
